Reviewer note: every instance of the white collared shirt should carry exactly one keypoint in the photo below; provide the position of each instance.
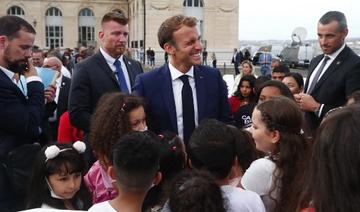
(110, 61)
(177, 85)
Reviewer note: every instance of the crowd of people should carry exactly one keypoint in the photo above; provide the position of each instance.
(105, 136)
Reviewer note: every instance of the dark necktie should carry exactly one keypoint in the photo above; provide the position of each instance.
(121, 77)
(317, 75)
(187, 108)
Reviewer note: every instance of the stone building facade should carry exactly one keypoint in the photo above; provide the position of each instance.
(71, 23)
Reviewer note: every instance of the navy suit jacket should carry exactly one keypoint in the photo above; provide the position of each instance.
(20, 116)
(91, 79)
(337, 83)
(156, 87)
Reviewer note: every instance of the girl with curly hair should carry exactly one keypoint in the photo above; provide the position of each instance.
(116, 114)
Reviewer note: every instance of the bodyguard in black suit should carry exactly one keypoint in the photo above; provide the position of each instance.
(98, 74)
(20, 115)
(333, 75)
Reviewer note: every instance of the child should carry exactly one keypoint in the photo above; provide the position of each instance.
(194, 191)
(244, 93)
(135, 167)
(56, 182)
(277, 132)
(245, 152)
(172, 162)
(212, 148)
(115, 115)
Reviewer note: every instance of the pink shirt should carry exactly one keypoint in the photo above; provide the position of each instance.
(100, 184)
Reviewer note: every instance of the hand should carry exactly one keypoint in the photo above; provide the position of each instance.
(306, 102)
(50, 93)
(31, 70)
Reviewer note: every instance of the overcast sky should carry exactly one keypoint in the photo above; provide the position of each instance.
(276, 19)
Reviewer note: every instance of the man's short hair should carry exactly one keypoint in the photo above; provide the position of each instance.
(10, 26)
(38, 51)
(212, 148)
(115, 15)
(282, 69)
(172, 24)
(136, 160)
(334, 16)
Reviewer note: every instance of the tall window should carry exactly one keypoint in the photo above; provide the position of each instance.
(86, 27)
(193, 3)
(53, 28)
(15, 10)
(195, 9)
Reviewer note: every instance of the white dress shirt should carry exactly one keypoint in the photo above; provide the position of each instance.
(110, 61)
(177, 85)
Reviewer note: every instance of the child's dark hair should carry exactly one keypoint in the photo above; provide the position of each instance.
(247, 78)
(297, 77)
(68, 161)
(284, 90)
(194, 191)
(136, 160)
(110, 121)
(334, 172)
(245, 148)
(172, 162)
(212, 148)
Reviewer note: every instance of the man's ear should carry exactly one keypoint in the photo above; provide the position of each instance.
(169, 48)
(3, 42)
(275, 136)
(111, 172)
(101, 34)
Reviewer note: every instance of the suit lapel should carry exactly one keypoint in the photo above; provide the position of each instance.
(129, 65)
(311, 70)
(168, 94)
(105, 67)
(200, 91)
(13, 86)
(334, 67)
(63, 95)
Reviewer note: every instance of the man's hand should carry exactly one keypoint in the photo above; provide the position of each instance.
(49, 93)
(31, 70)
(306, 102)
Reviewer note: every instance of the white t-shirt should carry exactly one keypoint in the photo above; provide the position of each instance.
(259, 178)
(102, 207)
(242, 200)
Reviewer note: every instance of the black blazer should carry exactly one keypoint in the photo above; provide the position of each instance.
(91, 79)
(62, 103)
(20, 116)
(339, 81)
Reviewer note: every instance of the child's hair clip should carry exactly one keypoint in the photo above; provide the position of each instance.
(53, 150)
(79, 146)
(161, 136)
(123, 107)
(173, 148)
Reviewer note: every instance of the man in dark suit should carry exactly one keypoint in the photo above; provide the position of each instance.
(20, 115)
(108, 70)
(60, 101)
(333, 75)
(180, 94)
(236, 60)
